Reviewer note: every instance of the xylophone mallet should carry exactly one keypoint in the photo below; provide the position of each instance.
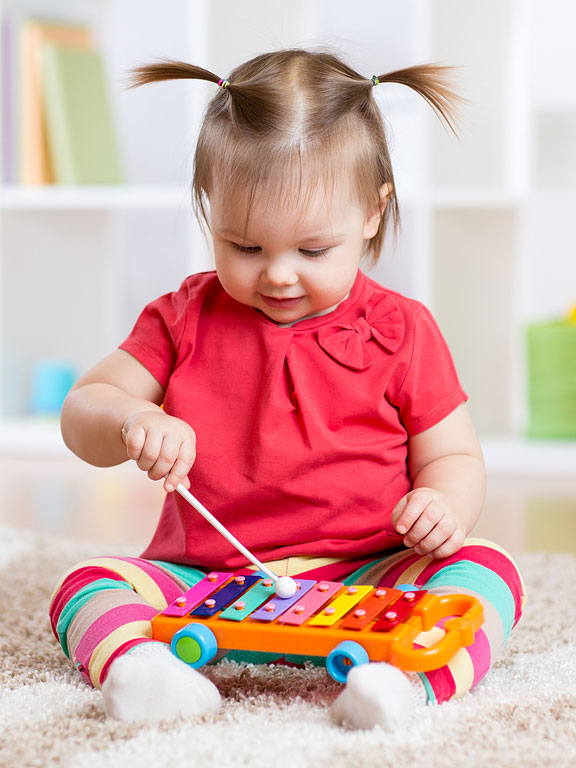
(284, 586)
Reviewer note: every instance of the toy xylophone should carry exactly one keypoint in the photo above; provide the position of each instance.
(348, 625)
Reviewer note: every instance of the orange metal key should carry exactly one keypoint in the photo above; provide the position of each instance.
(370, 608)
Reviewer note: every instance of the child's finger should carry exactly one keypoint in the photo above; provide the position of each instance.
(423, 526)
(429, 543)
(178, 474)
(415, 505)
(150, 450)
(447, 548)
(134, 440)
(167, 457)
(398, 510)
(439, 534)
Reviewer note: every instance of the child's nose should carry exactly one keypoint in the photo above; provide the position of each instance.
(279, 272)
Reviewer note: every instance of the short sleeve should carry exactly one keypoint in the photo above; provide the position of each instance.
(430, 389)
(166, 328)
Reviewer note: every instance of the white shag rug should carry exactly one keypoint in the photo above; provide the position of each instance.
(523, 714)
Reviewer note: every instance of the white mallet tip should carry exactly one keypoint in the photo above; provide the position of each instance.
(285, 586)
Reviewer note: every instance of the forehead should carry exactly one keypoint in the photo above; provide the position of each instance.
(313, 211)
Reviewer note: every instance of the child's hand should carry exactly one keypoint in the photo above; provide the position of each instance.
(160, 445)
(429, 523)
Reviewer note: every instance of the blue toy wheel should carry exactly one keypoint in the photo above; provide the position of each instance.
(341, 659)
(194, 644)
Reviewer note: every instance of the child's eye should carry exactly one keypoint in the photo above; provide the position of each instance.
(315, 254)
(255, 248)
(246, 248)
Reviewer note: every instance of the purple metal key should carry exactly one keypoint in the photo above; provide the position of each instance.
(277, 605)
(223, 597)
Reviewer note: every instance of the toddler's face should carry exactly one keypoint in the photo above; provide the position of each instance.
(292, 263)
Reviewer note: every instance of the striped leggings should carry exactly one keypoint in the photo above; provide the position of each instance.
(102, 608)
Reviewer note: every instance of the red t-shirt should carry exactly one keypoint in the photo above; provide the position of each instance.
(301, 431)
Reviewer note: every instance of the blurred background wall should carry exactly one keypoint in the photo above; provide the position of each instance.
(487, 237)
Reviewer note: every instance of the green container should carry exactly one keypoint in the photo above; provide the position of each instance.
(551, 351)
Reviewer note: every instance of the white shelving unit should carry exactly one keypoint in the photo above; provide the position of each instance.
(505, 235)
(487, 238)
(74, 198)
(78, 262)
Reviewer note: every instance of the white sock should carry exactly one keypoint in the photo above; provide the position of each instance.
(379, 694)
(149, 684)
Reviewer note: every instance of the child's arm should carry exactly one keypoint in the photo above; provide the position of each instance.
(448, 481)
(113, 414)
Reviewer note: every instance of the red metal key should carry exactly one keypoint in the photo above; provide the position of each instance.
(399, 611)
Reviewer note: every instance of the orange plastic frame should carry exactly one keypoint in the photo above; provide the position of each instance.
(395, 646)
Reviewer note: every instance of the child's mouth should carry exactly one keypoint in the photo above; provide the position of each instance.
(281, 303)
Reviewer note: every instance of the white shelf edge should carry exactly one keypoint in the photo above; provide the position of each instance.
(131, 197)
(529, 457)
(31, 437)
(121, 197)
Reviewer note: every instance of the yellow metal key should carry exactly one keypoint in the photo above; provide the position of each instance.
(340, 606)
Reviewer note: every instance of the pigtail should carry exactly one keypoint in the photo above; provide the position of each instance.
(168, 69)
(433, 83)
(257, 105)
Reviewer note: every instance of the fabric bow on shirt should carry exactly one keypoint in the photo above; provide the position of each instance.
(349, 344)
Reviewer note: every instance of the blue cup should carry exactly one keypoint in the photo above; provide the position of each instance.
(51, 382)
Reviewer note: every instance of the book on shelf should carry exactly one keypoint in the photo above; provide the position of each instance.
(78, 117)
(35, 155)
(57, 123)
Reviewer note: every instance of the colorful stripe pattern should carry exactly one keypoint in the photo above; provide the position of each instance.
(480, 568)
(102, 608)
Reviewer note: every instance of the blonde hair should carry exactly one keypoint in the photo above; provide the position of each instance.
(288, 120)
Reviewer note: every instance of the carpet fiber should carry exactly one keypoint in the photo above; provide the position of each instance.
(524, 714)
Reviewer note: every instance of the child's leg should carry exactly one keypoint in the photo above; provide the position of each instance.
(101, 613)
(481, 569)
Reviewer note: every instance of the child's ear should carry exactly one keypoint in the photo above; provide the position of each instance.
(374, 216)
